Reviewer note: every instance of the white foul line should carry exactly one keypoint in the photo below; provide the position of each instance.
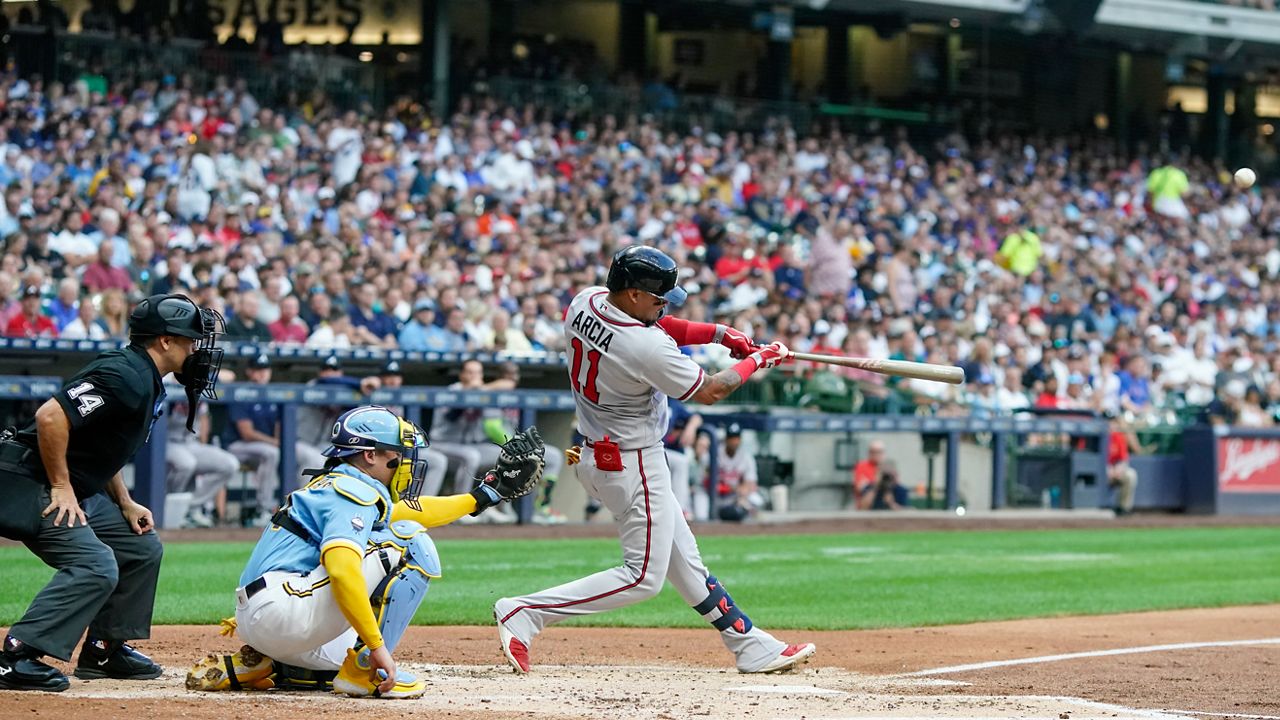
(1090, 654)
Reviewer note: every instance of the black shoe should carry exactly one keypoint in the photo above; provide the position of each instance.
(115, 660)
(28, 673)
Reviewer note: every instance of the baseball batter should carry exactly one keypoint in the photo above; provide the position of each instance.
(624, 360)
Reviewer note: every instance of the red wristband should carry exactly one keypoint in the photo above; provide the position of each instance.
(745, 367)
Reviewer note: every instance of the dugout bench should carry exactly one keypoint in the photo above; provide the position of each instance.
(1086, 472)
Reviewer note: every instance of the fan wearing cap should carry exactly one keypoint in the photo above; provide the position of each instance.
(65, 498)
(30, 322)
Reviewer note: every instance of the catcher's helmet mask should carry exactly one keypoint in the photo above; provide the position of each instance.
(179, 316)
(373, 427)
(649, 270)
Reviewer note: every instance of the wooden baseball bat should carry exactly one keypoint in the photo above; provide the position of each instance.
(897, 368)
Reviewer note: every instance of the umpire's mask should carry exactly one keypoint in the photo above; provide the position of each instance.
(179, 315)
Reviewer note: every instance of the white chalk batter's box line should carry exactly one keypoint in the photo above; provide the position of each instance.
(1201, 712)
(1089, 654)
(959, 702)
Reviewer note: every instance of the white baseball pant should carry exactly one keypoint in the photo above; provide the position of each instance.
(657, 545)
(296, 620)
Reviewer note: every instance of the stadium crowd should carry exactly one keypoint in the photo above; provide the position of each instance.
(1055, 270)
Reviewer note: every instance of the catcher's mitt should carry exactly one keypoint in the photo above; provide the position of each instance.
(519, 468)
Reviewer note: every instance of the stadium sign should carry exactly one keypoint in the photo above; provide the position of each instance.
(309, 13)
(1248, 465)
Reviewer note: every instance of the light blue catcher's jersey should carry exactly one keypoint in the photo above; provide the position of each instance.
(340, 507)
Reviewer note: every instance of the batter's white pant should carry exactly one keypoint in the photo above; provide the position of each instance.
(679, 463)
(267, 475)
(657, 545)
(211, 467)
(296, 620)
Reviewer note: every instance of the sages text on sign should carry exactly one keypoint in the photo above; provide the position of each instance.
(1248, 465)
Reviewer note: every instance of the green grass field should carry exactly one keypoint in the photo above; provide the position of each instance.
(802, 581)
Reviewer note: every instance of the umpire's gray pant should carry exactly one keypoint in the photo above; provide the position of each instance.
(106, 575)
(211, 468)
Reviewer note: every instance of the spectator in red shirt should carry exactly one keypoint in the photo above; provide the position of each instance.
(289, 328)
(1049, 398)
(733, 266)
(867, 472)
(1120, 475)
(101, 275)
(30, 323)
(688, 230)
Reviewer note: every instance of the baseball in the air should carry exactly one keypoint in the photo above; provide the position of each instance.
(1245, 178)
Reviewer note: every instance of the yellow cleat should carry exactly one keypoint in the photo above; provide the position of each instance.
(357, 679)
(247, 669)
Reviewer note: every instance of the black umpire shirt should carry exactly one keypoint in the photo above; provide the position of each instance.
(111, 405)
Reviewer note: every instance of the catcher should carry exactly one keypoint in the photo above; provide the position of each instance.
(336, 578)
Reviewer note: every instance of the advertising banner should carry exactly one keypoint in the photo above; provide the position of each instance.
(1249, 465)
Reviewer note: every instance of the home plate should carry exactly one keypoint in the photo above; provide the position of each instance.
(786, 690)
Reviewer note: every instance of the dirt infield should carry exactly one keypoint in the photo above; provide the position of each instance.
(1192, 663)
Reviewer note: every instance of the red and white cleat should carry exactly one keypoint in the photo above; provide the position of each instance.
(791, 657)
(516, 652)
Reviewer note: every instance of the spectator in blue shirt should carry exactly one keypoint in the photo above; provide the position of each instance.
(371, 326)
(65, 307)
(453, 336)
(1135, 386)
(421, 332)
(788, 279)
(1100, 314)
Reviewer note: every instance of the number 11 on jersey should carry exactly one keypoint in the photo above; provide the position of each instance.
(586, 387)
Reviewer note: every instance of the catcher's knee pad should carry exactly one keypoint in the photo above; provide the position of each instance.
(720, 611)
(398, 595)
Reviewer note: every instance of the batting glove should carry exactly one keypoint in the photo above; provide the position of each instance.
(771, 355)
(740, 346)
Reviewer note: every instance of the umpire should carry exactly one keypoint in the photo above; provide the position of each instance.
(62, 494)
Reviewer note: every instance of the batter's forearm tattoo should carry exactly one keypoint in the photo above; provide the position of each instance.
(723, 383)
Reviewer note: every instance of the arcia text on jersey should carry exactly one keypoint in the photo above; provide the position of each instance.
(592, 330)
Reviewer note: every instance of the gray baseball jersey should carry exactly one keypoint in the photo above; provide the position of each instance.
(622, 371)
